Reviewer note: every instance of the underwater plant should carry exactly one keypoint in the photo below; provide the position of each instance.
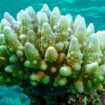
(51, 49)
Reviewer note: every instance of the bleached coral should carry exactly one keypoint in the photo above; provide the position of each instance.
(49, 48)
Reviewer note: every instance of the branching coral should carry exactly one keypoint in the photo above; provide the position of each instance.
(50, 48)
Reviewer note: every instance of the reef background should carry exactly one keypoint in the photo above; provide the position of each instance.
(92, 10)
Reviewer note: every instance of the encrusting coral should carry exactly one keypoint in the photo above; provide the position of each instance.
(50, 48)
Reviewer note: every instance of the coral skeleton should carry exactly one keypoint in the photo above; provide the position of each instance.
(52, 49)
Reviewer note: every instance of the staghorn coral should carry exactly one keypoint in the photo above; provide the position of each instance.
(50, 48)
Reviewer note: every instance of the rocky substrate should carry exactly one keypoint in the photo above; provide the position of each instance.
(45, 95)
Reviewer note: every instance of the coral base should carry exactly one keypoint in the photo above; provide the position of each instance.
(45, 95)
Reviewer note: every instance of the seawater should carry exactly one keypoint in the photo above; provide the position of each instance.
(92, 10)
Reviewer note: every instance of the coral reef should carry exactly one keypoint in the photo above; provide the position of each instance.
(49, 48)
(13, 96)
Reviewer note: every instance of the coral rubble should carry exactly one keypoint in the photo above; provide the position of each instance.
(49, 48)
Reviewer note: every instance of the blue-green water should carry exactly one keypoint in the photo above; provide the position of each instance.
(92, 10)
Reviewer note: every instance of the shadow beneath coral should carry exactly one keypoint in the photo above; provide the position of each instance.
(46, 95)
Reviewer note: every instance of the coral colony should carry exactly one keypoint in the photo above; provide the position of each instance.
(49, 48)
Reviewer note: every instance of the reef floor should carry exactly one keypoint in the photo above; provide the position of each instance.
(44, 95)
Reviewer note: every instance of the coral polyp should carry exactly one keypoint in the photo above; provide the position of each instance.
(46, 47)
